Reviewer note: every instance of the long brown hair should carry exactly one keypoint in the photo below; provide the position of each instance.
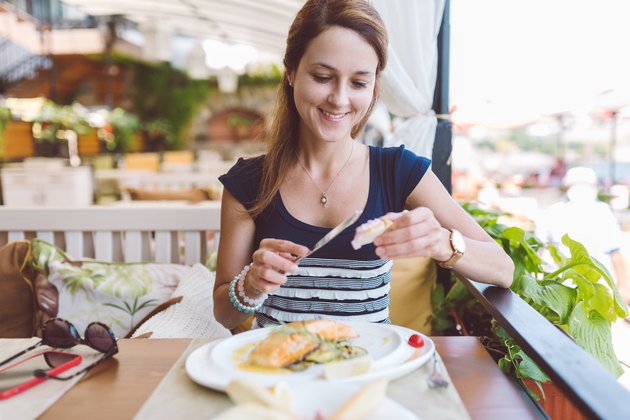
(314, 18)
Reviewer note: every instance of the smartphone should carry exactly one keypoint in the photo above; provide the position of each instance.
(19, 376)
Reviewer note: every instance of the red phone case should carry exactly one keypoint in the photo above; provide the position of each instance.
(37, 380)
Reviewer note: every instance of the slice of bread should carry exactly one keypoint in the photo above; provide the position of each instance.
(370, 230)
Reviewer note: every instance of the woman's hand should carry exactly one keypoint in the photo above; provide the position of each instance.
(271, 261)
(415, 233)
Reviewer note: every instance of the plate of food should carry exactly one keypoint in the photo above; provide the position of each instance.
(310, 350)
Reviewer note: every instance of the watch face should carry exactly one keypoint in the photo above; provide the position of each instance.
(458, 242)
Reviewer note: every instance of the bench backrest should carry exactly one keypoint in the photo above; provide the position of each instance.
(168, 232)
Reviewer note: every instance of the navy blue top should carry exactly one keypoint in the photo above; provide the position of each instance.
(394, 173)
(335, 282)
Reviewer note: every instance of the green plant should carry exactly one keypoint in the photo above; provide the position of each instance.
(161, 132)
(54, 119)
(166, 95)
(236, 121)
(5, 117)
(576, 293)
(50, 126)
(124, 127)
(270, 75)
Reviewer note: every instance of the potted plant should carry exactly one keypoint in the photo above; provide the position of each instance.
(120, 130)
(50, 125)
(159, 135)
(575, 292)
(240, 124)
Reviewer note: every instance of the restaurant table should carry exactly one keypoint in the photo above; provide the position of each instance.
(118, 388)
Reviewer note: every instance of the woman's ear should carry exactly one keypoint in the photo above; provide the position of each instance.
(290, 75)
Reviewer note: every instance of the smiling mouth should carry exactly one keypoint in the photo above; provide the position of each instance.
(333, 116)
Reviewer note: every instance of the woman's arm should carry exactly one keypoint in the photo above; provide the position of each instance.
(236, 242)
(423, 231)
(236, 249)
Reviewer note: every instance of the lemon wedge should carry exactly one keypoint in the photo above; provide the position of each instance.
(346, 368)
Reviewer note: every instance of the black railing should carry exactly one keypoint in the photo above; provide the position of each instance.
(589, 386)
(16, 63)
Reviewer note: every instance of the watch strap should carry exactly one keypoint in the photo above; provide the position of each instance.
(455, 256)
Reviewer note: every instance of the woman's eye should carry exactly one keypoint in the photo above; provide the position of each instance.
(321, 79)
(359, 84)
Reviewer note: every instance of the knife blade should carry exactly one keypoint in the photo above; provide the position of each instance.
(332, 234)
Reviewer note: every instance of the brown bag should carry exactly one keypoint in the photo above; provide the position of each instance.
(27, 298)
(17, 301)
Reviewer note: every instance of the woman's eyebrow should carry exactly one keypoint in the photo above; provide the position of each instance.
(329, 67)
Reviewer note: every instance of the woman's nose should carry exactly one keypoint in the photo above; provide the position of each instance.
(339, 95)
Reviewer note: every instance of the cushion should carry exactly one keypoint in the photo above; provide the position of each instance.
(193, 194)
(16, 291)
(193, 317)
(410, 294)
(161, 307)
(117, 294)
(46, 302)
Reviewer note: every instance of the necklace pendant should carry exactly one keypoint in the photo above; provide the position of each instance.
(324, 200)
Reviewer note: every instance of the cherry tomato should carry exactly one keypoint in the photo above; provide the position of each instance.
(416, 341)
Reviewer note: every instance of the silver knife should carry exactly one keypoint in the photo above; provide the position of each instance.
(332, 234)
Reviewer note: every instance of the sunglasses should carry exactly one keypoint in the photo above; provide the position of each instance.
(59, 333)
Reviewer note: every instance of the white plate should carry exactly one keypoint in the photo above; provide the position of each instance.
(393, 358)
(309, 398)
(384, 344)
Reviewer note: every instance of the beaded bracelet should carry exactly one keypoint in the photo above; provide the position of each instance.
(248, 309)
(240, 288)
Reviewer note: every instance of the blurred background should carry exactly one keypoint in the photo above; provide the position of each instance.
(160, 95)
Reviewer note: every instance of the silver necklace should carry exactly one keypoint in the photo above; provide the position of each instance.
(324, 198)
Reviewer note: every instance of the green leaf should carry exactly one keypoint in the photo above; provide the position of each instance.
(458, 293)
(592, 332)
(526, 368)
(441, 324)
(594, 271)
(549, 295)
(602, 302)
(505, 365)
(437, 295)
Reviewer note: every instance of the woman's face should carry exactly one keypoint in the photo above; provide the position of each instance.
(334, 84)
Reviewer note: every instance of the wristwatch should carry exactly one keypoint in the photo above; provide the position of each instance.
(458, 244)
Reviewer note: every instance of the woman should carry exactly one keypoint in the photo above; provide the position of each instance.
(314, 175)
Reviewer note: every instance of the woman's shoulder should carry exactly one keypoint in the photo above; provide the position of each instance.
(247, 166)
(396, 153)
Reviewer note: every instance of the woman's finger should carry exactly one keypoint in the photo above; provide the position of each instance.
(284, 246)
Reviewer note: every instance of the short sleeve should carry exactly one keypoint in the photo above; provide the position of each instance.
(400, 171)
(243, 180)
(411, 169)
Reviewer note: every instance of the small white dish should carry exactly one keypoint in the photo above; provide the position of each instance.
(310, 398)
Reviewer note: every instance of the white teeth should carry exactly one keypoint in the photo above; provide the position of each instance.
(333, 116)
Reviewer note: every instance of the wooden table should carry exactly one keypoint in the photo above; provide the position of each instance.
(120, 388)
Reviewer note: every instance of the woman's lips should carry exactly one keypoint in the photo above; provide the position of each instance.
(332, 117)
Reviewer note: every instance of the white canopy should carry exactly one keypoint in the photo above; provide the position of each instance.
(262, 24)
(408, 81)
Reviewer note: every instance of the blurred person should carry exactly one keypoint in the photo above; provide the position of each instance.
(589, 221)
(314, 174)
(557, 173)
